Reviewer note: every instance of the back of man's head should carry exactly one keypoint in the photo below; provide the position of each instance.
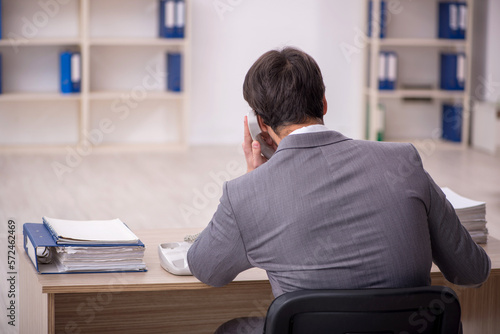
(285, 87)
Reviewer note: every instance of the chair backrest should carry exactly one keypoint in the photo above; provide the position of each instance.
(422, 310)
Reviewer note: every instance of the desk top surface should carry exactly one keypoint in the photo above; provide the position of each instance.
(156, 278)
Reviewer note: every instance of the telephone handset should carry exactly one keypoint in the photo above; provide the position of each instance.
(255, 132)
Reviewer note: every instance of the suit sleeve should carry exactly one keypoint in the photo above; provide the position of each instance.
(218, 254)
(459, 258)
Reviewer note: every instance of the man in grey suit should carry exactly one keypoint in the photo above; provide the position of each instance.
(326, 211)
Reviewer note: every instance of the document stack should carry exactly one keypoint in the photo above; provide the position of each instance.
(472, 215)
(95, 246)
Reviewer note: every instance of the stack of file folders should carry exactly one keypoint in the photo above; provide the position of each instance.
(372, 19)
(387, 70)
(172, 18)
(70, 71)
(67, 246)
(472, 215)
(452, 19)
(452, 122)
(452, 76)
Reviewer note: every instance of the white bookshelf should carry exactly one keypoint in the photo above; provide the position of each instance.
(412, 33)
(120, 51)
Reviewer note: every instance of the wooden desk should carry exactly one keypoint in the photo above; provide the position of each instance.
(150, 302)
(158, 302)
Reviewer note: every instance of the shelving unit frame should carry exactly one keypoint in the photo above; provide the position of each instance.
(85, 43)
(372, 96)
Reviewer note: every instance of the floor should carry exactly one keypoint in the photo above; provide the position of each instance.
(146, 190)
(181, 189)
(157, 189)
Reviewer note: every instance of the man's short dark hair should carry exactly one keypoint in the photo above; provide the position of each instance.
(285, 87)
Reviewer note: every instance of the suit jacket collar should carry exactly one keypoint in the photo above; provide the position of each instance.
(314, 139)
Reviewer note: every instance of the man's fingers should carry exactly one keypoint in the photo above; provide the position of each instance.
(251, 149)
(247, 149)
(258, 159)
(247, 138)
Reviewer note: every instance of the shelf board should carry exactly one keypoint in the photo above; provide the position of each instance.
(153, 95)
(431, 42)
(27, 97)
(40, 42)
(180, 42)
(138, 41)
(418, 93)
(105, 147)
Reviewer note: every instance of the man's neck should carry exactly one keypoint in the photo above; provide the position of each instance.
(286, 130)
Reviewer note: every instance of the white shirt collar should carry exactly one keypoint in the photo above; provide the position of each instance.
(310, 129)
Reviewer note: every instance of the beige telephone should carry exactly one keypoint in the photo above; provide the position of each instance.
(255, 132)
(173, 255)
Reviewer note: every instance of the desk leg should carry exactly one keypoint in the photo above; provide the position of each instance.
(480, 306)
(51, 313)
(33, 304)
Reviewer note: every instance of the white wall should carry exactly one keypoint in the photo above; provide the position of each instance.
(492, 92)
(493, 51)
(226, 43)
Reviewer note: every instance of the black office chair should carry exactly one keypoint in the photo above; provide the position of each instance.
(422, 310)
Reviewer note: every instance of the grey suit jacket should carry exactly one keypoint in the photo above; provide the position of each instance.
(329, 212)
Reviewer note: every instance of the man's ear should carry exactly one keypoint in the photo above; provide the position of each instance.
(325, 105)
(263, 127)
